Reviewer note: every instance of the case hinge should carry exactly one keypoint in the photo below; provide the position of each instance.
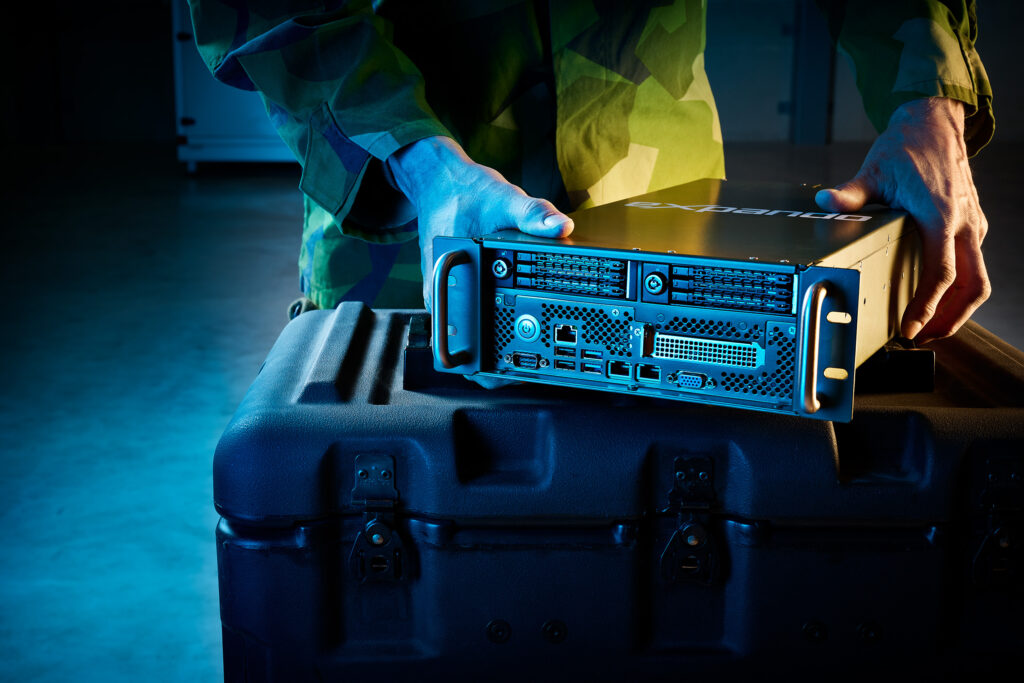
(378, 553)
(692, 553)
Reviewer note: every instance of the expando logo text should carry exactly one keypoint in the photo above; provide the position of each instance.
(714, 208)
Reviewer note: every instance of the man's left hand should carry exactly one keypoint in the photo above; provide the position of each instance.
(919, 164)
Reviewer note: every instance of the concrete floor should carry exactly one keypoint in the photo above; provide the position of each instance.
(139, 305)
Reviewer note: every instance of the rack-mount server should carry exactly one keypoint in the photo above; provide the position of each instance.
(743, 295)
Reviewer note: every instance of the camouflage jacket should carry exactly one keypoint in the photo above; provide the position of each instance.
(579, 101)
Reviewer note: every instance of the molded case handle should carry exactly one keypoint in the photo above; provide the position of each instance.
(813, 303)
(439, 319)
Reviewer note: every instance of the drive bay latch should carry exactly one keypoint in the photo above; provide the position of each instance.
(692, 553)
(377, 553)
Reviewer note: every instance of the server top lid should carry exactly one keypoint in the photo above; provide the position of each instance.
(769, 222)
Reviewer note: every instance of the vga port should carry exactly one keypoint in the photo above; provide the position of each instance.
(689, 380)
(525, 361)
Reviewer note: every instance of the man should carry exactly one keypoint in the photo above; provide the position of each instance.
(476, 110)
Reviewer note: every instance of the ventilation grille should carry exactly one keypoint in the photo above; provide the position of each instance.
(504, 329)
(707, 327)
(597, 328)
(705, 351)
(778, 384)
(586, 275)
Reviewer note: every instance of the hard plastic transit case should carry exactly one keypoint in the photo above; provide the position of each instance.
(384, 522)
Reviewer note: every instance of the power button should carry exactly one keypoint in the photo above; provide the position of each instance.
(527, 328)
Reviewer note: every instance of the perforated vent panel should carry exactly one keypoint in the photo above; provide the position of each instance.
(597, 327)
(705, 351)
(781, 353)
(708, 327)
(504, 328)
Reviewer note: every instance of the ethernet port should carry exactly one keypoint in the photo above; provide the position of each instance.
(616, 368)
(565, 334)
(648, 373)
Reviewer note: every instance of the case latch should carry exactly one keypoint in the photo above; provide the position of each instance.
(377, 553)
(999, 557)
(692, 553)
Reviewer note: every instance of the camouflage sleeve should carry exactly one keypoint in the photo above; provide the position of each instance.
(335, 87)
(909, 49)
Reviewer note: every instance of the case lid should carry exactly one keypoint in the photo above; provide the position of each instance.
(331, 390)
(742, 221)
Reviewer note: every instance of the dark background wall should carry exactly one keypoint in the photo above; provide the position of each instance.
(89, 72)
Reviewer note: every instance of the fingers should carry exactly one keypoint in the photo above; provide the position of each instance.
(954, 281)
(970, 289)
(938, 272)
(919, 164)
(539, 217)
(848, 197)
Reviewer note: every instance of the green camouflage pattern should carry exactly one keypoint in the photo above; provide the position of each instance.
(582, 102)
(902, 51)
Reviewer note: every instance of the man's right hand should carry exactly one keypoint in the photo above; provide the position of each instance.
(457, 197)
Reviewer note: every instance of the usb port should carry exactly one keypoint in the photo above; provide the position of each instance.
(564, 365)
(616, 368)
(590, 368)
(565, 334)
(565, 351)
(591, 355)
(648, 373)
